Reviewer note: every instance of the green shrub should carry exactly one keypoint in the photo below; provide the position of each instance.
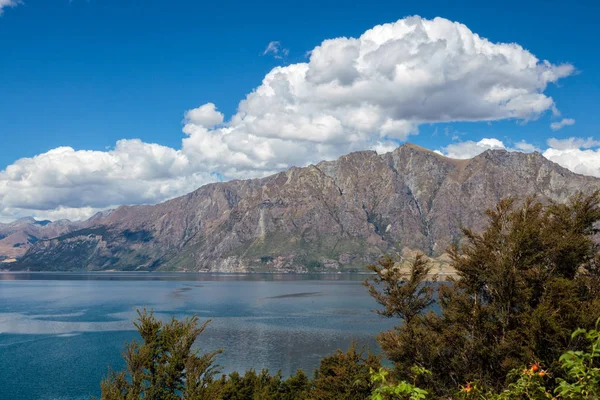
(524, 284)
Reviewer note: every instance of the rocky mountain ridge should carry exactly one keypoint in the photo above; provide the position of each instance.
(335, 215)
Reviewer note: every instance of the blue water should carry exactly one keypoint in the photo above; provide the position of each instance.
(60, 332)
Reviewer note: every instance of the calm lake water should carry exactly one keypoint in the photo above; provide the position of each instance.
(60, 332)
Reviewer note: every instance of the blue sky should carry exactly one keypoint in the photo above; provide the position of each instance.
(86, 74)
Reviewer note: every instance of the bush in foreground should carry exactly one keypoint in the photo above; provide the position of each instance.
(524, 284)
(154, 371)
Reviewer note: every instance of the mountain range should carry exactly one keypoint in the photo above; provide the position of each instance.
(333, 216)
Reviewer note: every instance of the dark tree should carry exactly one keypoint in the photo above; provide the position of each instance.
(403, 294)
(523, 285)
(345, 376)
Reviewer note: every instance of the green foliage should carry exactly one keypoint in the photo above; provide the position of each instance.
(524, 284)
(404, 294)
(345, 376)
(582, 380)
(528, 384)
(163, 366)
(400, 390)
(583, 373)
(259, 386)
(532, 383)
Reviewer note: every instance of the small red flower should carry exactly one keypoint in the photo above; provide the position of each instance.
(467, 388)
(535, 368)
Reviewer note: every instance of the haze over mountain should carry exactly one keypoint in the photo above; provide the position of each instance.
(335, 215)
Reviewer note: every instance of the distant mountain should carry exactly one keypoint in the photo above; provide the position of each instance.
(16, 237)
(335, 215)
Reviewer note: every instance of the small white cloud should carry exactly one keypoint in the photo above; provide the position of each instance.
(470, 149)
(384, 147)
(8, 3)
(206, 116)
(276, 50)
(564, 122)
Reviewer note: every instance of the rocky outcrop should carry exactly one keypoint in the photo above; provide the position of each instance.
(336, 215)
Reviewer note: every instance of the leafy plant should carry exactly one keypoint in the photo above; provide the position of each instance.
(583, 374)
(385, 390)
(529, 385)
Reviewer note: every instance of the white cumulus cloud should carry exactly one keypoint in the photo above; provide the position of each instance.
(64, 182)
(562, 123)
(581, 155)
(369, 92)
(206, 116)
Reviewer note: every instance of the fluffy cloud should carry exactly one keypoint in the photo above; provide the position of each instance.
(369, 92)
(562, 123)
(206, 116)
(74, 184)
(470, 149)
(356, 93)
(8, 3)
(582, 161)
(577, 154)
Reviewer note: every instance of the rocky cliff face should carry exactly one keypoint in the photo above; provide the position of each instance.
(335, 215)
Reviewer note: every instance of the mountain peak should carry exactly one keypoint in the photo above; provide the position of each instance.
(412, 146)
(24, 221)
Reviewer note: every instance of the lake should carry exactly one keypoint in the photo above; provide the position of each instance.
(59, 332)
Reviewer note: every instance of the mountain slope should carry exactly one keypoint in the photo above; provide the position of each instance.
(334, 215)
